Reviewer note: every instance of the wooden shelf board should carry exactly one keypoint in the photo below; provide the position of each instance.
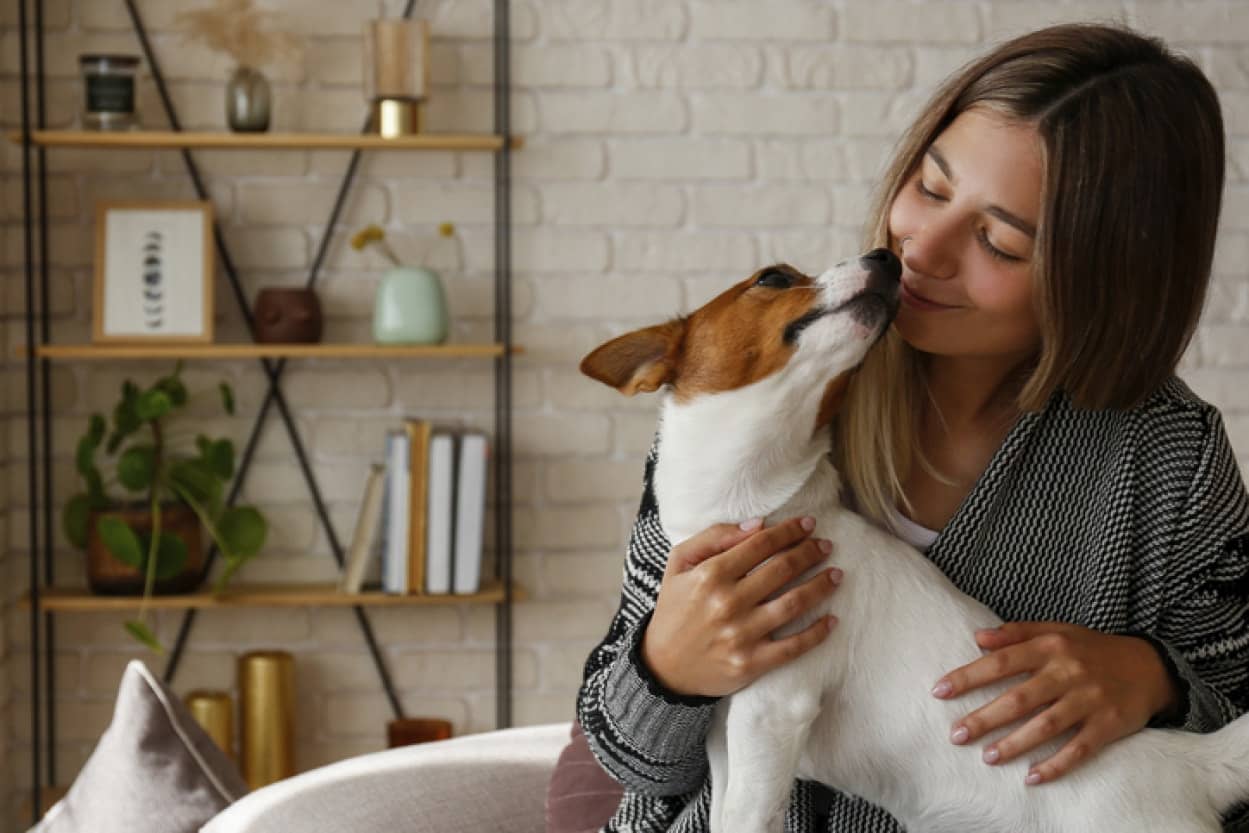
(150, 139)
(262, 595)
(271, 351)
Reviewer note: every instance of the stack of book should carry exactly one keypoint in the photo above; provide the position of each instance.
(425, 508)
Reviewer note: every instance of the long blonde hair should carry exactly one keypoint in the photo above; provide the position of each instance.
(1132, 143)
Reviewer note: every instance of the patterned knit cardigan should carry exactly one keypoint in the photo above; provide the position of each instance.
(1124, 521)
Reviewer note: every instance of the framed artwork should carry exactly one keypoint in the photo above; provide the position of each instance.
(153, 272)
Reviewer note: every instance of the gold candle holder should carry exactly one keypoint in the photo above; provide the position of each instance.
(267, 716)
(214, 710)
(396, 74)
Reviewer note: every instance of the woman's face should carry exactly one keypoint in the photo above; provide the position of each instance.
(964, 226)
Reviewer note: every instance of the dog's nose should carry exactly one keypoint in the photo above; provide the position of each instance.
(885, 267)
(883, 260)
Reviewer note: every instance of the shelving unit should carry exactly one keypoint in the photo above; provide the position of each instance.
(265, 595)
(165, 139)
(44, 598)
(115, 352)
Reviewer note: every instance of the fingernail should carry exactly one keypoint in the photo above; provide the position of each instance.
(991, 755)
(960, 735)
(942, 689)
(835, 575)
(987, 632)
(808, 523)
(825, 546)
(753, 523)
(1033, 779)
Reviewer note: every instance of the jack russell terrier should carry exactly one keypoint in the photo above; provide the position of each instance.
(752, 381)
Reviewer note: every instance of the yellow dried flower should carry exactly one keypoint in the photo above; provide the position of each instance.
(367, 235)
(373, 234)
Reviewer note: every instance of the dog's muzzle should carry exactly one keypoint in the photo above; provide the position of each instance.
(872, 307)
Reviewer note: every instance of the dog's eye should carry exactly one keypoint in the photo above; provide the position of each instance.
(776, 279)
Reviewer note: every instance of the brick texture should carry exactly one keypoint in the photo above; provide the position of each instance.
(671, 146)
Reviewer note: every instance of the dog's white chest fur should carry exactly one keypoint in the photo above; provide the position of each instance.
(855, 713)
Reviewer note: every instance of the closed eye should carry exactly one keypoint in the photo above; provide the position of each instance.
(981, 236)
(775, 279)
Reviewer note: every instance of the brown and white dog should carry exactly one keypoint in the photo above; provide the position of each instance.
(751, 383)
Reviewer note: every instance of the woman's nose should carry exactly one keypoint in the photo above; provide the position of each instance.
(929, 251)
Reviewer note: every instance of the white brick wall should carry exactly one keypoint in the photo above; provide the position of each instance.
(671, 146)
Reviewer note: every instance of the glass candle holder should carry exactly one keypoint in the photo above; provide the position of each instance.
(396, 74)
(108, 82)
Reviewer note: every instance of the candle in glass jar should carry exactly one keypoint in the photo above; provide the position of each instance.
(108, 82)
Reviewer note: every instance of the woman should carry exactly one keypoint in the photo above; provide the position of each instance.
(1055, 209)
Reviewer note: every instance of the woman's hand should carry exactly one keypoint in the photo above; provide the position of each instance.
(1104, 686)
(711, 632)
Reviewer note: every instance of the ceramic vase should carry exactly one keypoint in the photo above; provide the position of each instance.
(410, 308)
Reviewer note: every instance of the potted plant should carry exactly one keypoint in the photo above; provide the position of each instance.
(151, 541)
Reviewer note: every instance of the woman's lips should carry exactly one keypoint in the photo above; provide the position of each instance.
(919, 302)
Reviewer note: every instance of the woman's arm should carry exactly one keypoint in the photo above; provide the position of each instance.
(645, 739)
(649, 687)
(1191, 670)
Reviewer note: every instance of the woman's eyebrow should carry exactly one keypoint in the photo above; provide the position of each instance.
(995, 210)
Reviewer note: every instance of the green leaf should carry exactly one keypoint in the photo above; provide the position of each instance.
(96, 427)
(74, 520)
(141, 632)
(219, 458)
(84, 457)
(125, 420)
(227, 398)
(136, 467)
(244, 530)
(153, 404)
(171, 556)
(95, 491)
(194, 477)
(121, 541)
(173, 387)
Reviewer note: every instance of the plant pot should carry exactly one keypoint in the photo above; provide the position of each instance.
(287, 315)
(108, 576)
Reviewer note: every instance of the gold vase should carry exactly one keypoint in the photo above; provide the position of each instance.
(214, 711)
(266, 716)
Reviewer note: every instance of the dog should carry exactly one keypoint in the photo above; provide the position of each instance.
(751, 382)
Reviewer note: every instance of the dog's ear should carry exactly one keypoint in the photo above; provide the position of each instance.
(638, 362)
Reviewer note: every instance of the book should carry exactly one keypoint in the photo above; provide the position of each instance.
(366, 530)
(418, 433)
(470, 513)
(395, 555)
(440, 522)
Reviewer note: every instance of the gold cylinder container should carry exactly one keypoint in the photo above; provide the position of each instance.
(266, 716)
(214, 711)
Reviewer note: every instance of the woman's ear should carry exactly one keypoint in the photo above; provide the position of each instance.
(638, 362)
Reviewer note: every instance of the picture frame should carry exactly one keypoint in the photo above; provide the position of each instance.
(154, 272)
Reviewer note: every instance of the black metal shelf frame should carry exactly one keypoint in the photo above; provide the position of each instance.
(38, 410)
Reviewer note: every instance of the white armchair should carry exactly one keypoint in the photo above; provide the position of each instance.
(494, 781)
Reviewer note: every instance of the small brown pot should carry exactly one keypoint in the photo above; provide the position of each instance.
(287, 315)
(109, 577)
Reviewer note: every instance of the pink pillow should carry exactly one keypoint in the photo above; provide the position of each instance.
(580, 797)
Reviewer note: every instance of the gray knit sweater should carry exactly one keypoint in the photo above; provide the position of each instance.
(1124, 521)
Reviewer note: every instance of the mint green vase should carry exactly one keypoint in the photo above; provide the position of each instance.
(411, 307)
